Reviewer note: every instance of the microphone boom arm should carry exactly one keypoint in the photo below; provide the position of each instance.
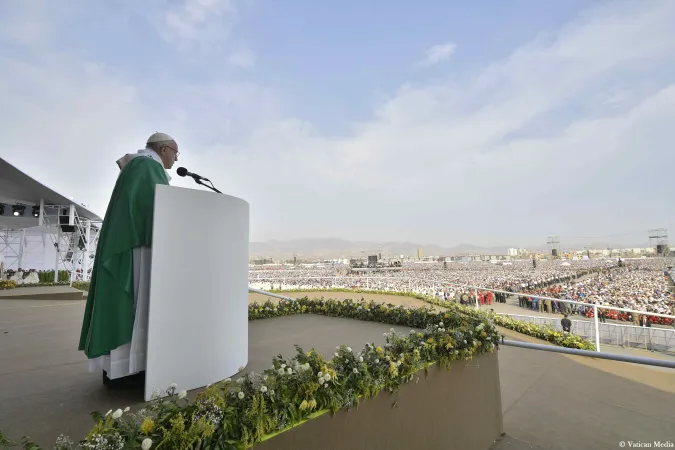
(213, 188)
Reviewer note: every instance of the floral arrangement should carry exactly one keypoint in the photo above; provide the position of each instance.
(81, 285)
(7, 284)
(237, 414)
(547, 333)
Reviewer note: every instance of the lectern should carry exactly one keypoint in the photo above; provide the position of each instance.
(198, 313)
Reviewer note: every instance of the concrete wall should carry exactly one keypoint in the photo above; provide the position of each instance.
(460, 409)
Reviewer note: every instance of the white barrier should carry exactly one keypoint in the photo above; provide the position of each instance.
(657, 339)
(433, 289)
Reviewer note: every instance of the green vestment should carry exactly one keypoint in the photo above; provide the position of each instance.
(109, 314)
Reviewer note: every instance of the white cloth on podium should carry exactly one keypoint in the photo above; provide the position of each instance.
(131, 358)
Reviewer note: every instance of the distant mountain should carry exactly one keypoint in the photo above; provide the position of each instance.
(340, 248)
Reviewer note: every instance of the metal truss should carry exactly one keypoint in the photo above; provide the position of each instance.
(11, 248)
(74, 238)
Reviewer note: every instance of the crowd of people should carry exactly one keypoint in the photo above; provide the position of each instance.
(640, 284)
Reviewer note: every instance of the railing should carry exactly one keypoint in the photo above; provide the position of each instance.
(426, 286)
(548, 348)
(657, 339)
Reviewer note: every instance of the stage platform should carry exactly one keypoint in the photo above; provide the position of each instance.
(43, 293)
(550, 401)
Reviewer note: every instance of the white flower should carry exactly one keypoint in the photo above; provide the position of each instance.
(271, 391)
(263, 389)
(355, 370)
(327, 377)
(349, 349)
(182, 394)
(465, 341)
(127, 409)
(146, 444)
(321, 381)
(108, 413)
(289, 370)
(283, 366)
(398, 363)
(265, 377)
(391, 329)
(173, 386)
(320, 374)
(305, 366)
(440, 324)
(412, 331)
(385, 334)
(281, 371)
(117, 414)
(360, 359)
(241, 369)
(240, 395)
(377, 361)
(227, 380)
(336, 355)
(240, 380)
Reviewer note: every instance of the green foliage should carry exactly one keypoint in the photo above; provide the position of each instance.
(546, 333)
(47, 276)
(81, 285)
(237, 414)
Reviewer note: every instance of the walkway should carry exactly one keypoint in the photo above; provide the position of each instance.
(550, 401)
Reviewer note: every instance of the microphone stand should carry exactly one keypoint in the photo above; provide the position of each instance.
(213, 188)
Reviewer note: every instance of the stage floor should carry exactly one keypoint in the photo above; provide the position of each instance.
(550, 401)
(43, 293)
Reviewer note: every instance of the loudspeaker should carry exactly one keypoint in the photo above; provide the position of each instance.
(554, 252)
(64, 218)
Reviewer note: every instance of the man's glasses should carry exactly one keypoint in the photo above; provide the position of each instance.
(173, 150)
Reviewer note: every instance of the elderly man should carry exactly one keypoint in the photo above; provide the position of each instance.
(114, 329)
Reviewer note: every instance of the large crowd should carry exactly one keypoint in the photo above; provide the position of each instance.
(639, 284)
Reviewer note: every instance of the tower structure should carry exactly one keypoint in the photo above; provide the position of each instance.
(553, 244)
(658, 239)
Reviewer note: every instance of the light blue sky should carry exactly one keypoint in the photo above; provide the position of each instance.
(444, 122)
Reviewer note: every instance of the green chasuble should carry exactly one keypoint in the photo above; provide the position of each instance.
(109, 314)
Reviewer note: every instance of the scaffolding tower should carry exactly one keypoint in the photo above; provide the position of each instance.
(553, 245)
(658, 239)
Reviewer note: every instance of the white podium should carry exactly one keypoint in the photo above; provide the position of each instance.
(198, 312)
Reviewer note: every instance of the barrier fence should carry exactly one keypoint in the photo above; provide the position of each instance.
(656, 339)
(548, 348)
(648, 339)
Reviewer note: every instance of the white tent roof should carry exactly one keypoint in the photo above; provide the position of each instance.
(18, 187)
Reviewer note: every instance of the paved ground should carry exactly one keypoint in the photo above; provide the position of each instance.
(550, 401)
(43, 293)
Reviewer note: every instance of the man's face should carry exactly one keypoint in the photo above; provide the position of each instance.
(169, 154)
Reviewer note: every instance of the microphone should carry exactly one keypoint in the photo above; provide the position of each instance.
(182, 171)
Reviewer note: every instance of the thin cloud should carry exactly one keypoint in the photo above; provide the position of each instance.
(437, 54)
(435, 162)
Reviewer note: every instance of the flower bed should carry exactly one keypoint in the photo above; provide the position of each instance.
(547, 333)
(81, 285)
(6, 284)
(438, 412)
(238, 414)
